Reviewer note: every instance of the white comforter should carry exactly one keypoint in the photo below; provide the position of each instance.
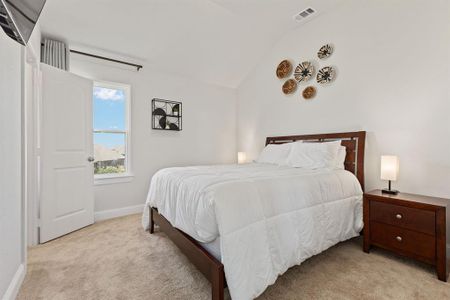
(269, 218)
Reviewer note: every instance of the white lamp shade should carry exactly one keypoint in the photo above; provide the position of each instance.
(389, 167)
(242, 157)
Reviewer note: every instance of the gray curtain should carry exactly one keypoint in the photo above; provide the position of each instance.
(56, 54)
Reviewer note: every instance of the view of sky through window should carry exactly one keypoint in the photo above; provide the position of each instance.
(109, 114)
(109, 110)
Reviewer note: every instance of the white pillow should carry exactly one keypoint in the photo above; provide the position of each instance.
(275, 154)
(340, 158)
(314, 155)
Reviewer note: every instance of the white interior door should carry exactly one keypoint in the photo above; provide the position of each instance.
(67, 177)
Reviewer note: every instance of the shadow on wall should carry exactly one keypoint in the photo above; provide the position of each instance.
(372, 162)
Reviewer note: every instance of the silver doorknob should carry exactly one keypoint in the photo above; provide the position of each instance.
(399, 238)
(398, 216)
(91, 159)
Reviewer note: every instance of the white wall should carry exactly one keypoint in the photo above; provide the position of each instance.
(208, 135)
(392, 59)
(11, 222)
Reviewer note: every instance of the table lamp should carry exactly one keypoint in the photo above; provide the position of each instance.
(242, 157)
(389, 171)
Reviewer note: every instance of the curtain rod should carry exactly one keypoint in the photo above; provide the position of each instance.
(138, 67)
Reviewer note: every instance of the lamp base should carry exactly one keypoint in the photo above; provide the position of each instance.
(389, 191)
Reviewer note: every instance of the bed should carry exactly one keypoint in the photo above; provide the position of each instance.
(250, 223)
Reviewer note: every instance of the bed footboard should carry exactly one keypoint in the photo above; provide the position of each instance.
(202, 259)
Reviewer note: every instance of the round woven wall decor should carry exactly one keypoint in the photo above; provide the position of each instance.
(325, 75)
(325, 51)
(284, 69)
(309, 92)
(289, 86)
(304, 71)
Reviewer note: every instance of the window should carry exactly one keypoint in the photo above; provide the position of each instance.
(111, 104)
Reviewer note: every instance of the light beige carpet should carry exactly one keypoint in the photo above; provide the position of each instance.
(116, 259)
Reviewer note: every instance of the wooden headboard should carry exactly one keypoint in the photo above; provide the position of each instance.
(353, 141)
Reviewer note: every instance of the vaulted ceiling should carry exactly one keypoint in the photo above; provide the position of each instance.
(215, 41)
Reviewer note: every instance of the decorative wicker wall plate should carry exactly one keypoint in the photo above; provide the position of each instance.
(289, 86)
(284, 69)
(325, 51)
(325, 75)
(304, 71)
(309, 92)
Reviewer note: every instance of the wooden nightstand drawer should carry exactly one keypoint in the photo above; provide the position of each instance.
(411, 218)
(407, 241)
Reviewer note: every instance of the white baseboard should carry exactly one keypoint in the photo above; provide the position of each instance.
(118, 212)
(16, 282)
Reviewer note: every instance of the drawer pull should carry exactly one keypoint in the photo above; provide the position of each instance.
(399, 216)
(399, 238)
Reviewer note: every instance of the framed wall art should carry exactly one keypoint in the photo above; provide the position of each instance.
(167, 115)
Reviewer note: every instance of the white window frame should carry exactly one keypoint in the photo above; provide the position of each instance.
(100, 179)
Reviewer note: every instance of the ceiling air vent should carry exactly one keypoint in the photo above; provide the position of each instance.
(304, 14)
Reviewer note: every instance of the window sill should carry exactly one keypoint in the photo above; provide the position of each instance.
(112, 179)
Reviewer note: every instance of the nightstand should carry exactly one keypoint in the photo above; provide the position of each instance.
(409, 225)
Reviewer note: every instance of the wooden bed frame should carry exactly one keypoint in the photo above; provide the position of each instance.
(211, 267)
